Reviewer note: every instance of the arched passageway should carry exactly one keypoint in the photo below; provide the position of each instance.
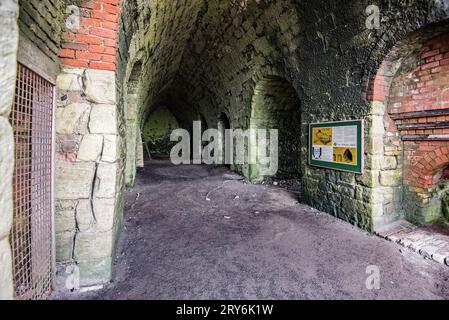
(197, 231)
(156, 132)
(275, 105)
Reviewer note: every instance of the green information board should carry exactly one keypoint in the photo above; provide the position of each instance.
(337, 145)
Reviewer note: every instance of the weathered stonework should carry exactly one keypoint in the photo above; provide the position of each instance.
(322, 48)
(429, 244)
(90, 148)
(73, 118)
(89, 174)
(275, 105)
(6, 278)
(91, 178)
(41, 22)
(103, 119)
(209, 61)
(100, 86)
(80, 175)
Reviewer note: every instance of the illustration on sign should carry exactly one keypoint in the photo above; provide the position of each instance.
(337, 145)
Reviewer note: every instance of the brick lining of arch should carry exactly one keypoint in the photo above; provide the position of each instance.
(426, 162)
(414, 91)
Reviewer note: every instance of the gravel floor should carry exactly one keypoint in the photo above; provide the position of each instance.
(190, 234)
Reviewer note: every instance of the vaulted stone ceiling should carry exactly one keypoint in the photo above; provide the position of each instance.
(205, 56)
(232, 43)
(158, 32)
(197, 54)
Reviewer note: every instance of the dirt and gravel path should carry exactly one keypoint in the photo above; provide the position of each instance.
(190, 234)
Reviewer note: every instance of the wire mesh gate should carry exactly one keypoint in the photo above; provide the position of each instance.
(31, 236)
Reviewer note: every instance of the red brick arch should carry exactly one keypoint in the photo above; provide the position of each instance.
(427, 161)
(431, 73)
(413, 85)
(377, 86)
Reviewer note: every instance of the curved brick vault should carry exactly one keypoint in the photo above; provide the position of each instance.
(411, 83)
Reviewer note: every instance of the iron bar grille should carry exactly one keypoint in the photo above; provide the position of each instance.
(31, 236)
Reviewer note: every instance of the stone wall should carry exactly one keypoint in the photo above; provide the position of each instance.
(89, 167)
(323, 48)
(41, 22)
(131, 104)
(207, 57)
(9, 36)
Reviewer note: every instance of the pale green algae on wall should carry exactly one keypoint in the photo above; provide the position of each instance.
(157, 131)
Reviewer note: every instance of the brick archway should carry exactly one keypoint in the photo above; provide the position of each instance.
(410, 88)
(426, 169)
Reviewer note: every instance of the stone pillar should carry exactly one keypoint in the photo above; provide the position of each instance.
(89, 175)
(140, 161)
(132, 131)
(9, 36)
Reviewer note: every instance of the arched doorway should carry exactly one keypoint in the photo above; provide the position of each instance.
(409, 94)
(275, 105)
(156, 133)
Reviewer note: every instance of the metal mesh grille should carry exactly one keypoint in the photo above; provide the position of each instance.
(31, 237)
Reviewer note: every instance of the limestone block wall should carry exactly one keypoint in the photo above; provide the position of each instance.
(384, 165)
(150, 39)
(275, 105)
(128, 75)
(9, 36)
(89, 167)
